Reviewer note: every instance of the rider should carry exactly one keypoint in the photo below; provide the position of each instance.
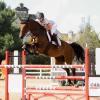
(50, 26)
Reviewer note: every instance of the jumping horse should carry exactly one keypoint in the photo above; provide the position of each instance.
(64, 54)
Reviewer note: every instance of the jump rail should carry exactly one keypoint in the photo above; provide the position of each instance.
(85, 66)
(24, 66)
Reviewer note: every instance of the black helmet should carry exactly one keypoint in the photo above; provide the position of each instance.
(39, 15)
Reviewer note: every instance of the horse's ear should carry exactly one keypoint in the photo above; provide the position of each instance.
(32, 17)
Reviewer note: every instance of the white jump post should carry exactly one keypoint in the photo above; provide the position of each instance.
(16, 70)
(97, 61)
(52, 61)
(94, 81)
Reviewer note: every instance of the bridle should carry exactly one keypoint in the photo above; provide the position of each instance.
(34, 36)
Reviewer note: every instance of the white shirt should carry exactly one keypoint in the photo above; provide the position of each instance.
(46, 21)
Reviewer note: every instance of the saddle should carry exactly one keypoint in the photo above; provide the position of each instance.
(55, 40)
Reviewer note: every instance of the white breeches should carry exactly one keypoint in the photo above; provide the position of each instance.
(54, 29)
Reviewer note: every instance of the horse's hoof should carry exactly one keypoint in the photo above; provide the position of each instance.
(63, 83)
(76, 85)
(69, 84)
(80, 83)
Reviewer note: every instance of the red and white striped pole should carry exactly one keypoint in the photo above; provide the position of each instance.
(6, 79)
(29, 96)
(23, 74)
(87, 72)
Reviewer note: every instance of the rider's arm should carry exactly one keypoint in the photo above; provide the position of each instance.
(48, 27)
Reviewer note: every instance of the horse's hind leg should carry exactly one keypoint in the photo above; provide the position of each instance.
(60, 61)
(74, 73)
(69, 61)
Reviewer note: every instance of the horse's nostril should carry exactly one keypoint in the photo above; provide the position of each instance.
(20, 36)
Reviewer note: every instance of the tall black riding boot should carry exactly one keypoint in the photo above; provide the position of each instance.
(55, 39)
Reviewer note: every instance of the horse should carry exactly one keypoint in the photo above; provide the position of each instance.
(63, 55)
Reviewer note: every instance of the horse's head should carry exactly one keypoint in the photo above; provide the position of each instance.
(33, 33)
(24, 29)
(29, 25)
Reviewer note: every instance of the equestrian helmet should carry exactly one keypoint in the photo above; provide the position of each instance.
(39, 15)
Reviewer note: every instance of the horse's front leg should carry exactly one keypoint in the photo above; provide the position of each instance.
(60, 61)
(74, 74)
(28, 48)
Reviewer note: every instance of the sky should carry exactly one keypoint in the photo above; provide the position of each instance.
(67, 14)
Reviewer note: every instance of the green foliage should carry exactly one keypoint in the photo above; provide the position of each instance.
(7, 17)
(90, 38)
(64, 37)
(2, 6)
(6, 42)
(8, 32)
(9, 38)
(38, 59)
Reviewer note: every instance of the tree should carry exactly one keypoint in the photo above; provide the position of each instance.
(8, 32)
(89, 37)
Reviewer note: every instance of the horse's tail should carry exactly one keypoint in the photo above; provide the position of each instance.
(79, 51)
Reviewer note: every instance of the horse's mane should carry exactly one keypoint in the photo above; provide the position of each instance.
(42, 29)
